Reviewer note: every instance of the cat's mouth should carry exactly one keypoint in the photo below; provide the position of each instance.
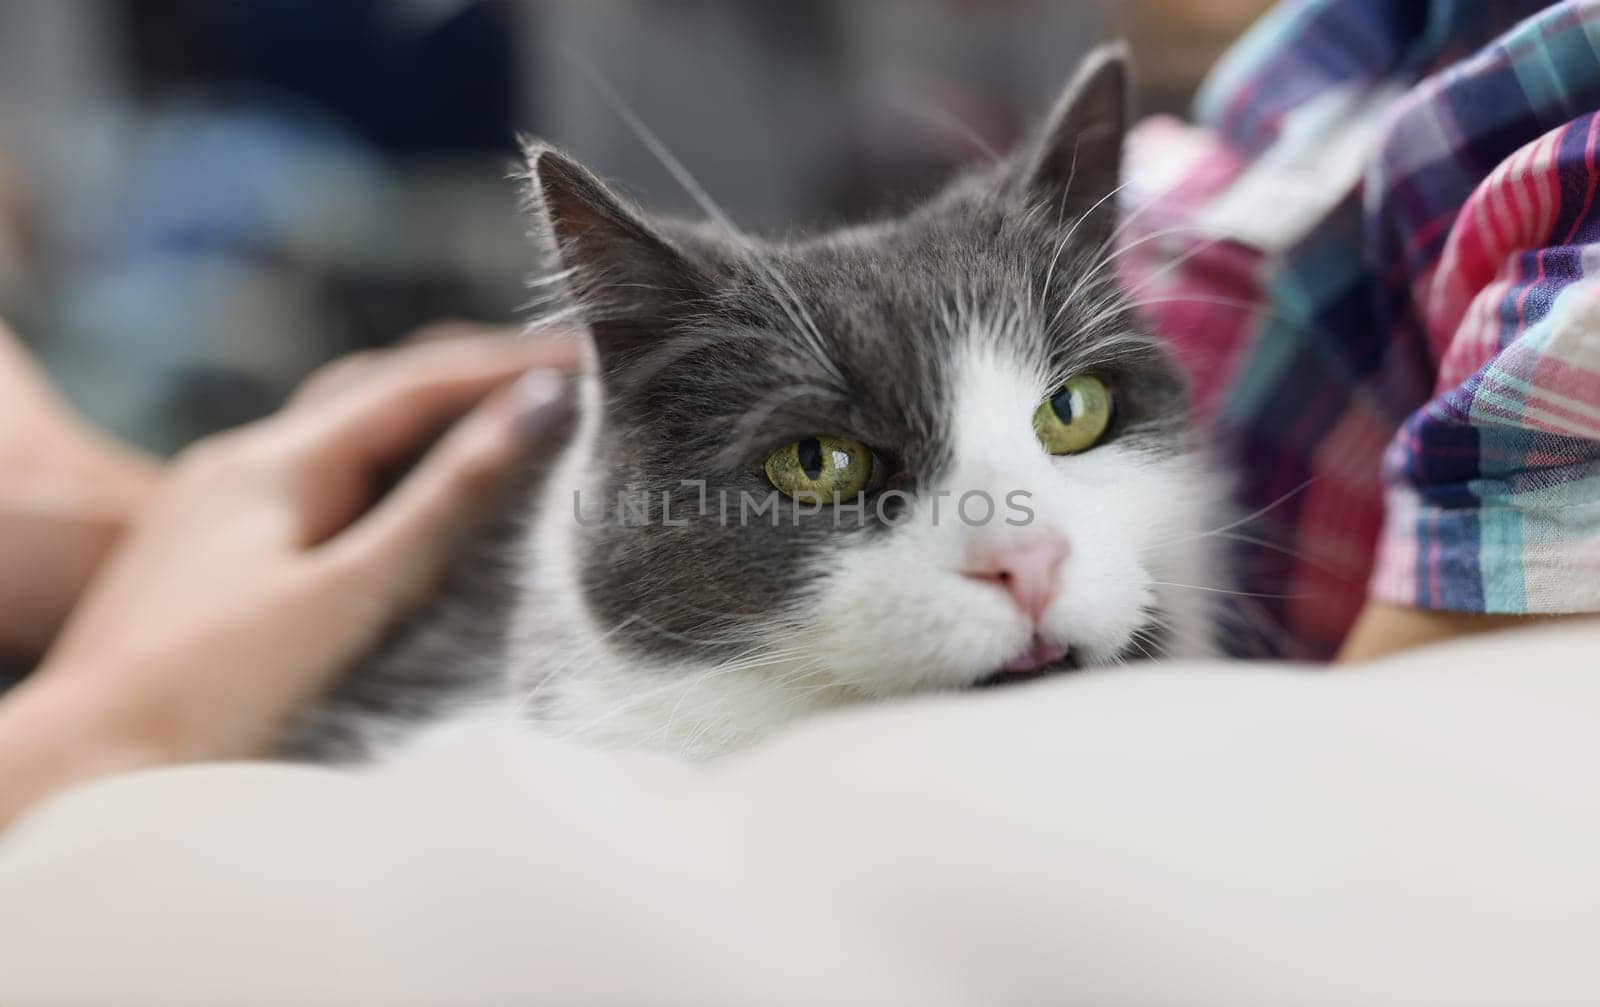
(1040, 659)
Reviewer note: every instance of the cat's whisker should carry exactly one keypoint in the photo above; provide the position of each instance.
(590, 648)
(1274, 505)
(642, 697)
(1131, 218)
(1250, 307)
(1264, 622)
(1100, 269)
(937, 115)
(1114, 245)
(1278, 548)
(792, 307)
(1120, 305)
(553, 278)
(1103, 265)
(1229, 591)
(1172, 266)
(1049, 275)
(572, 313)
(810, 334)
(637, 698)
(1240, 522)
(711, 722)
(769, 627)
(1139, 645)
(594, 645)
(657, 287)
(754, 663)
(1143, 636)
(1210, 229)
(1073, 230)
(1066, 190)
(1109, 350)
(1197, 298)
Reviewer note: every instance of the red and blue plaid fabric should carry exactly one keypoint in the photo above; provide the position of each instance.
(1378, 250)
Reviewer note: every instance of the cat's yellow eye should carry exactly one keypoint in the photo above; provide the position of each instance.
(821, 469)
(1074, 418)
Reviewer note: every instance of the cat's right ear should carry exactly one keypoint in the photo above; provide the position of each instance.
(628, 279)
(1074, 162)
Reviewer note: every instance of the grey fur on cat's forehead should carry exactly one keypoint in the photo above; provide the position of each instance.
(852, 332)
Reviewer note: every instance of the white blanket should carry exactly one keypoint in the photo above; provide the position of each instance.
(1425, 831)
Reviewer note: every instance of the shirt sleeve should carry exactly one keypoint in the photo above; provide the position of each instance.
(1399, 366)
(1379, 301)
(1492, 488)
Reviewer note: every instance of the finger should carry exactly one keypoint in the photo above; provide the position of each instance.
(455, 328)
(406, 399)
(422, 349)
(339, 451)
(50, 557)
(24, 388)
(404, 544)
(336, 377)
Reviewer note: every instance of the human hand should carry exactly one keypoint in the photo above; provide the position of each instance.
(66, 493)
(263, 567)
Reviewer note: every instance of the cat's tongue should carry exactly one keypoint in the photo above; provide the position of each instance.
(1039, 653)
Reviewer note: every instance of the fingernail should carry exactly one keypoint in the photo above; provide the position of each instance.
(544, 399)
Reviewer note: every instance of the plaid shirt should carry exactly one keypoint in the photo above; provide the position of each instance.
(1378, 250)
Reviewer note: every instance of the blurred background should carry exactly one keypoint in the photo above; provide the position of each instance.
(201, 200)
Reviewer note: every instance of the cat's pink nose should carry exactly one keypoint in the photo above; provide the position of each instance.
(1027, 571)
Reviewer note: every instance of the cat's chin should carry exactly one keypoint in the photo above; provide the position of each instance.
(1043, 661)
(1009, 676)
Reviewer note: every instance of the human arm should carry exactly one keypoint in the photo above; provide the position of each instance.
(1385, 629)
(67, 492)
(257, 571)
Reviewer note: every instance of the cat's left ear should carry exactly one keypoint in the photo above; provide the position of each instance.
(1074, 163)
(627, 277)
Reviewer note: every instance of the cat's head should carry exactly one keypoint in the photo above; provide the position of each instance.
(1017, 480)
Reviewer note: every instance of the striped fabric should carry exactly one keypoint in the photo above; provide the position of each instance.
(1378, 251)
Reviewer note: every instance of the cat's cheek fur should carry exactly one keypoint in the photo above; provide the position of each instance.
(573, 674)
(899, 615)
(1137, 522)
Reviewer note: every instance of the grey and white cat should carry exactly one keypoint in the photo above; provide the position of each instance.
(935, 452)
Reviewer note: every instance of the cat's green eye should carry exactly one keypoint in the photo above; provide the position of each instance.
(821, 469)
(1074, 418)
